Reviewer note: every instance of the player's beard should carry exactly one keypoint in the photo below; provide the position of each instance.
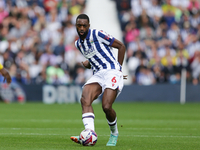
(84, 35)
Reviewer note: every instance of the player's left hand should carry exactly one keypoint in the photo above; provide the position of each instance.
(125, 77)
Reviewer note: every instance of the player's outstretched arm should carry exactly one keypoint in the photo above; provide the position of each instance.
(86, 64)
(6, 75)
(121, 47)
(121, 50)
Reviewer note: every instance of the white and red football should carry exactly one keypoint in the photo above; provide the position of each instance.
(88, 137)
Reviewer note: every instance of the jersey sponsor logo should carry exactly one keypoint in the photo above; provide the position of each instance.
(89, 51)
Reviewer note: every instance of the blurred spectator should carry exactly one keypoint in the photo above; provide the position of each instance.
(144, 76)
(159, 72)
(193, 44)
(195, 19)
(144, 20)
(69, 29)
(136, 46)
(139, 5)
(56, 75)
(133, 63)
(60, 48)
(35, 71)
(173, 32)
(195, 66)
(155, 9)
(131, 32)
(48, 58)
(3, 12)
(193, 6)
(49, 5)
(80, 75)
(123, 11)
(169, 12)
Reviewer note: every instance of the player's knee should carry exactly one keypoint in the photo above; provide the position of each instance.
(107, 108)
(85, 101)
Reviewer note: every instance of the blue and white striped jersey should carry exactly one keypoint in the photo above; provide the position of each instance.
(97, 49)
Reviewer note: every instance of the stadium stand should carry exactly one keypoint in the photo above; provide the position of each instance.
(161, 36)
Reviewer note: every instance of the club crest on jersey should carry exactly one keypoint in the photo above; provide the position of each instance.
(91, 41)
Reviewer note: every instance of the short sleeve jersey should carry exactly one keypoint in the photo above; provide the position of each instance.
(97, 49)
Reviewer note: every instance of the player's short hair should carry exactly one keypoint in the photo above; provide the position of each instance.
(83, 16)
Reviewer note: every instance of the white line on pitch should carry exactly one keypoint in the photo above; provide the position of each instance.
(124, 128)
(102, 120)
(147, 136)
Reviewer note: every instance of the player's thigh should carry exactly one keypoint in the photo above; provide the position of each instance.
(90, 93)
(109, 97)
(112, 87)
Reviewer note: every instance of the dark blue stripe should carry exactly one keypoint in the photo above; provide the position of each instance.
(78, 46)
(88, 44)
(105, 37)
(111, 62)
(88, 35)
(101, 51)
(88, 117)
(112, 41)
(82, 44)
(100, 62)
(112, 124)
(93, 64)
(120, 69)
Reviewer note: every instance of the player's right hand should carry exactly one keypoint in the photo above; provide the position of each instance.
(86, 64)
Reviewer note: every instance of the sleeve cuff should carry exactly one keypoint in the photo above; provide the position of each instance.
(112, 41)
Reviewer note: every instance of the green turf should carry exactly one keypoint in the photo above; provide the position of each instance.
(142, 126)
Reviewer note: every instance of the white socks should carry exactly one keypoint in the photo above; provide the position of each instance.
(88, 120)
(113, 127)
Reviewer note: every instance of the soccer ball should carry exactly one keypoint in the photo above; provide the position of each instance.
(88, 137)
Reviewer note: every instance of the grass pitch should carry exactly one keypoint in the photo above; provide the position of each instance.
(142, 126)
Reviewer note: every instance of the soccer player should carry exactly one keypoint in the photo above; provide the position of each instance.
(5, 74)
(96, 47)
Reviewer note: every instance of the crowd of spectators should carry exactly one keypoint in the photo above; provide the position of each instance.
(37, 41)
(162, 39)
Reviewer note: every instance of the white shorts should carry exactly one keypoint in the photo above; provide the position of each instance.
(112, 79)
